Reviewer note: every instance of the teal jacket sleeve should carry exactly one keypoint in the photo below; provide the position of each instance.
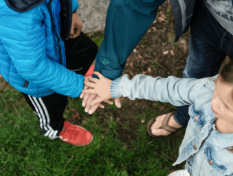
(126, 23)
(75, 5)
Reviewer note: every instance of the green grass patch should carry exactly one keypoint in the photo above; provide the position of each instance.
(121, 146)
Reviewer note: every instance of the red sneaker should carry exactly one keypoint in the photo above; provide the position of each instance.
(75, 135)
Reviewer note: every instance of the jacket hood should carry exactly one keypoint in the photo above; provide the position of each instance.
(23, 5)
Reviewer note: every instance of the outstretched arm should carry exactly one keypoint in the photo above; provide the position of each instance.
(126, 23)
(177, 91)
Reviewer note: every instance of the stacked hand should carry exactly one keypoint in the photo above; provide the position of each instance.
(97, 91)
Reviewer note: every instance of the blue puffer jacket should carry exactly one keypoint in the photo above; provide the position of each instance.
(29, 48)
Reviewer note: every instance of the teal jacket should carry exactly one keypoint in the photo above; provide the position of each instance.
(127, 21)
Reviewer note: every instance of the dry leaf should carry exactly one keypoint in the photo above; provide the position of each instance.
(149, 69)
(0, 76)
(131, 65)
(153, 29)
(135, 50)
(144, 72)
(144, 62)
(162, 107)
(143, 120)
(118, 120)
(139, 56)
(127, 64)
(76, 115)
(172, 52)
(165, 52)
(160, 19)
(161, 13)
(104, 129)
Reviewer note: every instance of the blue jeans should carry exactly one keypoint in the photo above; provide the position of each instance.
(209, 45)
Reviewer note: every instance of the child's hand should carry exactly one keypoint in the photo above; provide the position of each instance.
(100, 87)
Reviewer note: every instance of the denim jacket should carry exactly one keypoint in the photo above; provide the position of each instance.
(203, 147)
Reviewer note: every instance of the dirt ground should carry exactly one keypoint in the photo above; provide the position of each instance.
(155, 55)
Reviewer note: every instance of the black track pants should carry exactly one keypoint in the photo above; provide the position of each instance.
(80, 53)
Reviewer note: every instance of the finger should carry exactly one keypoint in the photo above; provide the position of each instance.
(118, 102)
(89, 101)
(89, 84)
(93, 108)
(82, 94)
(94, 80)
(89, 91)
(78, 32)
(72, 30)
(88, 80)
(85, 98)
(98, 74)
(97, 101)
(101, 106)
(108, 101)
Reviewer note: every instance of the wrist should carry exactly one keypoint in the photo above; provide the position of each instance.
(114, 88)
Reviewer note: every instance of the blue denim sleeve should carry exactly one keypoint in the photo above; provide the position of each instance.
(75, 5)
(177, 91)
(126, 23)
(114, 88)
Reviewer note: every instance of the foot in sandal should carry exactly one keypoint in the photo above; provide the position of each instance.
(162, 125)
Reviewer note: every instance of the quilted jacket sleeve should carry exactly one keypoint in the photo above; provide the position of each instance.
(75, 5)
(24, 40)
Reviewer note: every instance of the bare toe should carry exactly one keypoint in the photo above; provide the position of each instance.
(160, 132)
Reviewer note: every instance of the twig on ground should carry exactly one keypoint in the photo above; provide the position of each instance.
(75, 171)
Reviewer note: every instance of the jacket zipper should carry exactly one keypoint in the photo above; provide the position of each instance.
(69, 22)
(60, 57)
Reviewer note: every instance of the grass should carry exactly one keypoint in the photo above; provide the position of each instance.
(120, 147)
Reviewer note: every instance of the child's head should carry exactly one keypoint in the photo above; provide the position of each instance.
(222, 101)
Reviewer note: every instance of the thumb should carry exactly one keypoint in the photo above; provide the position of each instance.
(118, 102)
(97, 101)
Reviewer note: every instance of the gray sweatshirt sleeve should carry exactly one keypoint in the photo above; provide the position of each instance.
(177, 91)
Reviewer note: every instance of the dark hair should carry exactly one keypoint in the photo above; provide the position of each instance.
(226, 71)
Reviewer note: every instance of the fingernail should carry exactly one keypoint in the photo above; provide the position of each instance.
(83, 104)
(90, 112)
(81, 96)
(86, 110)
(102, 107)
(119, 104)
(154, 131)
(111, 103)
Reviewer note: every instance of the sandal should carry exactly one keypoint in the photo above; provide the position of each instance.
(164, 126)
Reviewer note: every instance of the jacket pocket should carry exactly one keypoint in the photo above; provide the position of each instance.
(211, 161)
(26, 84)
(196, 117)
